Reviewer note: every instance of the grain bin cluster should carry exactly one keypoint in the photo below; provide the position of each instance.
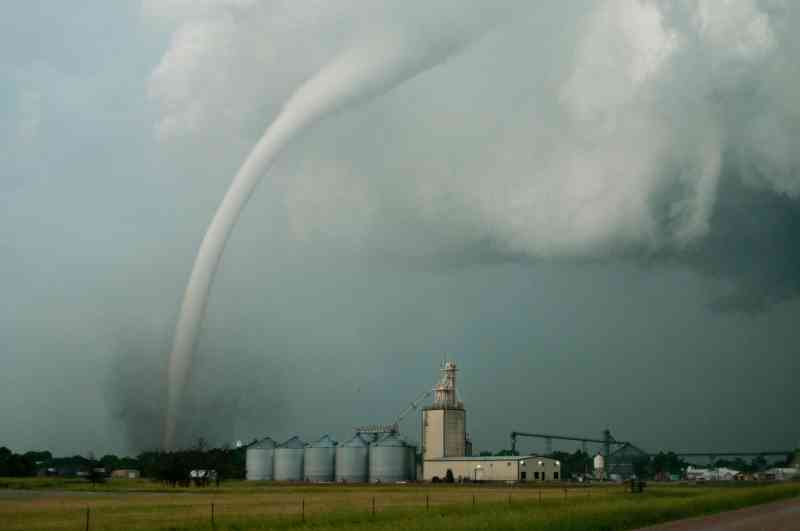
(378, 454)
(361, 459)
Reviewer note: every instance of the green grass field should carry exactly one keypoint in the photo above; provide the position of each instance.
(45, 504)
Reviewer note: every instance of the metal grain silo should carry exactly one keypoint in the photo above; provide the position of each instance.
(319, 458)
(411, 462)
(369, 437)
(288, 460)
(259, 460)
(388, 460)
(352, 460)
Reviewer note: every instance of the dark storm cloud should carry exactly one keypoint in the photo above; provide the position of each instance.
(555, 209)
(754, 245)
(237, 388)
(136, 388)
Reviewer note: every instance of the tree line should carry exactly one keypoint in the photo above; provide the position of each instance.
(171, 467)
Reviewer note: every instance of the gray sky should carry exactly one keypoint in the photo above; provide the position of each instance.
(595, 210)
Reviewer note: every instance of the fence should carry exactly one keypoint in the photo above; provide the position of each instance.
(305, 509)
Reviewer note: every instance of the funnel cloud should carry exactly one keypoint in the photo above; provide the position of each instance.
(359, 73)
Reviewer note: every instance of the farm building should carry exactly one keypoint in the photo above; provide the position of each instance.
(493, 468)
(125, 473)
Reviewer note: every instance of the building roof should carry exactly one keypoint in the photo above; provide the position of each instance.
(324, 442)
(295, 443)
(264, 444)
(492, 458)
(626, 451)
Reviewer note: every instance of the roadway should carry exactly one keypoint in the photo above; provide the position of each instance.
(777, 516)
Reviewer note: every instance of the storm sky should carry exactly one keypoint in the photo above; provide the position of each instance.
(594, 209)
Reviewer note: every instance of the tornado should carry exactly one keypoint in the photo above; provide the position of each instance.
(355, 76)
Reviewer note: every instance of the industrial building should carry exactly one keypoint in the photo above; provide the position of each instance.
(622, 463)
(711, 474)
(494, 468)
(444, 423)
(446, 445)
(378, 454)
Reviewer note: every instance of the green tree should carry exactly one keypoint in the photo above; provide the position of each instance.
(43, 457)
(110, 462)
(666, 463)
(759, 463)
(16, 465)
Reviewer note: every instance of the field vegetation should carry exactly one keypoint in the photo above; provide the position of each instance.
(50, 504)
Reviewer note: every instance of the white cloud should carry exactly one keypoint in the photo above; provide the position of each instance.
(618, 143)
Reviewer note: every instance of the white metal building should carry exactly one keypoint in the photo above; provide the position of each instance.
(494, 468)
(711, 474)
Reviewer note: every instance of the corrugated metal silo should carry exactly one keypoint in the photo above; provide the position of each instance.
(352, 460)
(258, 460)
(388, 460)
(319, 458)
(288, 460)
(411, 462)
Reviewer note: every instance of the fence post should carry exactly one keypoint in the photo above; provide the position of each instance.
(373, 506)
(509, 499)
(303, 509)
(212, 516)
(87, 519)
(473, 500)
(427, 502)
(540, 494)
(565, 493)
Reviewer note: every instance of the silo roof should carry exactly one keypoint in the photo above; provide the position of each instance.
(265, 443)
(324, 442)
(391, 439)
(295, 443)
(357, 441)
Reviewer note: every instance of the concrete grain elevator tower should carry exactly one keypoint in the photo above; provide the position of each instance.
(444, 423)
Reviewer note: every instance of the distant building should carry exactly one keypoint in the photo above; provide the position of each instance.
(621, 464)
(446, 445)
(712, 474)
(444, 422)
(125, 473)
(444, 425)
(202, 477)
(494, 468)
(781, 473)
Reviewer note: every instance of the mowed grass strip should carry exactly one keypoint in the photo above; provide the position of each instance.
(397, 507)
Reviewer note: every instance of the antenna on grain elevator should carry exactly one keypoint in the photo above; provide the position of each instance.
(445, 390)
